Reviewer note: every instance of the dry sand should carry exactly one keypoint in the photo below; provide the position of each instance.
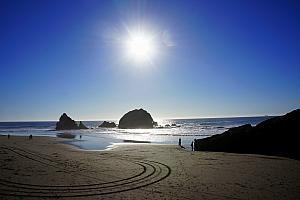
(44, 168)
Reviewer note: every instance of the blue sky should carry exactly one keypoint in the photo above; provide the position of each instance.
(226, 58)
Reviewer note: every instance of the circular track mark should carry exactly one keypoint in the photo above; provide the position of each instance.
(152, 172)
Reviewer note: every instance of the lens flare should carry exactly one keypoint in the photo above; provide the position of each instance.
(140, 47)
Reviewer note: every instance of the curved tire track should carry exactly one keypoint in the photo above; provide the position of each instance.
(152, 172)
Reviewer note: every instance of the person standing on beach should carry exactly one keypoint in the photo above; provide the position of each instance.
(179, 142)
(192, 145)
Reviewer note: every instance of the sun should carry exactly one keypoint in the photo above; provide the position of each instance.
(140, 47)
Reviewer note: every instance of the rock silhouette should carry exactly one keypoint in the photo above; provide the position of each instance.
(106, 124)
(66, 123)
(82, 126)
(278, 136)
(136, 119)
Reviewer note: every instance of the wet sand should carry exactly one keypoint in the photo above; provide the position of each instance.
(45, 168)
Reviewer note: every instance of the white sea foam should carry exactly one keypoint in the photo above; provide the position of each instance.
(100, 138)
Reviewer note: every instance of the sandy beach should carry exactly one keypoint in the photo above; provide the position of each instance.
(45, 168)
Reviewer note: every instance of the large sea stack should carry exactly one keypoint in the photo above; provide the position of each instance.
(136, 119)
(278, 136)
(66, 123)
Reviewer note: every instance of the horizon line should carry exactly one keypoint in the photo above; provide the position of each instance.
(175, 118)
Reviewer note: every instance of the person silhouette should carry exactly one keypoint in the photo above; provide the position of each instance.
(179, 142)
(192, 145)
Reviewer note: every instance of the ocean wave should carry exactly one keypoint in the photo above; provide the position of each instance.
(189, 130)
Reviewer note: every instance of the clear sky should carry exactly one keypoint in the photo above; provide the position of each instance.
(212, 58)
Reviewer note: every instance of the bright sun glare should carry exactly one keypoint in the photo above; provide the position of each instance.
(140, 47)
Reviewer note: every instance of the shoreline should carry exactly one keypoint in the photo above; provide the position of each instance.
(51, 169)
(114, 146)
(65, 142)
(100, 138)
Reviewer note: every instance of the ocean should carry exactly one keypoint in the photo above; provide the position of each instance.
(104, 138)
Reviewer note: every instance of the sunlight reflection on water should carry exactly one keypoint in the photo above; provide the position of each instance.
(101, 138)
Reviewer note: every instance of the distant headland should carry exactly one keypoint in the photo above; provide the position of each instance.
(278, 136)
